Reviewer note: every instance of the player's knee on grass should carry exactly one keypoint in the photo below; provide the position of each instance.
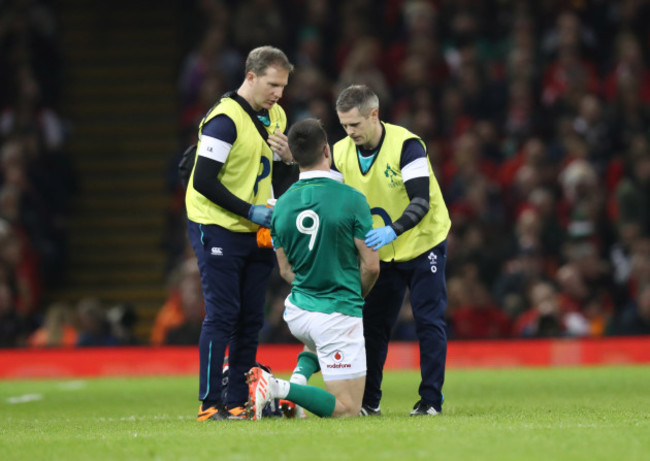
(349, 394)
(346, 410)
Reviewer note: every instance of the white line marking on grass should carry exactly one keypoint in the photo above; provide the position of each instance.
(562, 426)
(25, 398)
(72, 385)
(134, 418)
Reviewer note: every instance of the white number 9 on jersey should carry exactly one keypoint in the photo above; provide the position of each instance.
(312, 230)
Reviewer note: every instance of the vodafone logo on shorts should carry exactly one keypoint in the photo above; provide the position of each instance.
(337, 357)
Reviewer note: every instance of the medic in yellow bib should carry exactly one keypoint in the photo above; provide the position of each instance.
(240, 140)
(389, 165)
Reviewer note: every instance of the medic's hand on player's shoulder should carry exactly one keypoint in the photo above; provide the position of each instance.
(377, 238)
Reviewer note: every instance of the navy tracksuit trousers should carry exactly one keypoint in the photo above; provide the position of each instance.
(425, 278)
(234, 277)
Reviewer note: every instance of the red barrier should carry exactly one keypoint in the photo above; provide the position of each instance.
(153, 361)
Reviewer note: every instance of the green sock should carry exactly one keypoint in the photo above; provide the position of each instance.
(307, 366)
(317, 400)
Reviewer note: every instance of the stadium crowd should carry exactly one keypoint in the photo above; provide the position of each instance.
(37, 185)
(534, 113)
(536, 121)
(36, 177)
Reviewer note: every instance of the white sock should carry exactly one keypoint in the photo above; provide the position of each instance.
(298, 379)
(279, 388)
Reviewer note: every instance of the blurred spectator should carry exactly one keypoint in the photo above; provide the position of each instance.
(316, 28)
(28, 35)
(568, 32)
(567, 79)
(551, 233)
(309, 86)
(628, 66)
(635, 319)
(122, 319)
(584, 295)
(521, 114)
(179, 319)
(633, 194)
(12, 325)
(582, 207)
(213, 58)
(520, 272)
(466, 170)
(416, 45)
(26, 113)
(477, 317)
(187, 332)
(361, 66)
(94, 328)
(630, 118)
(640, 267)
(544, 318)
(58, 328)
(22, 263)
(211, 88)
(591, 125)
(530, 169)
(257, 23)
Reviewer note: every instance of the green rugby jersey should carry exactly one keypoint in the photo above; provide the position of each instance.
(315, 222)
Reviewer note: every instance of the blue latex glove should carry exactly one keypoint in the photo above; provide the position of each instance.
(377, 238)
(260, 214)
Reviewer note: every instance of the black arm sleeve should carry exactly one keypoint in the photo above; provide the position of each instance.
(418, 191)
(206, 183)
(283, 177)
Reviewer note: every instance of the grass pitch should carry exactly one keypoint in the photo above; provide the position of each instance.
(587, 413)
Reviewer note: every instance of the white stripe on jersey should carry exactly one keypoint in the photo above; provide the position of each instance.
(214, 149)
(418, 168)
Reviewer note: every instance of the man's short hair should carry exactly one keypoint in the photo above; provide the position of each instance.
(306, 140)
(263, 57)
(359, 96)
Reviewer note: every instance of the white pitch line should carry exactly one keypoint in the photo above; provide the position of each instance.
(72, 385)
(25, 398)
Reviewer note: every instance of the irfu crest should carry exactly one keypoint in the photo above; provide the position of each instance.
(391, 175)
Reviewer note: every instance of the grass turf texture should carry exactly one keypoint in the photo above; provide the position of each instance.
(561, 414)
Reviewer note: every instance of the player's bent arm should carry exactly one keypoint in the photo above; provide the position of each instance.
(368, 266)
(286, 271)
